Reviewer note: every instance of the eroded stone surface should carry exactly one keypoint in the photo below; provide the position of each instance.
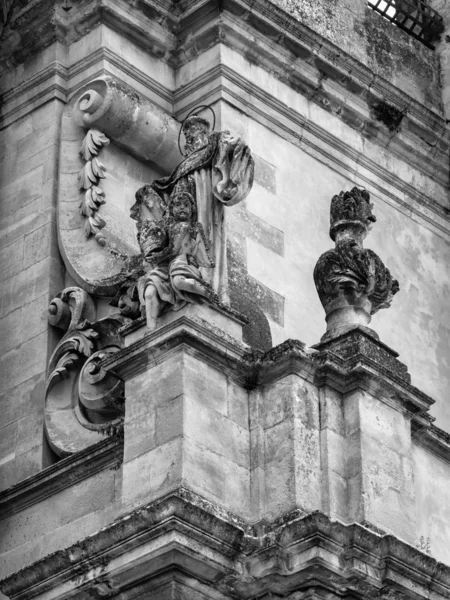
(352, 282)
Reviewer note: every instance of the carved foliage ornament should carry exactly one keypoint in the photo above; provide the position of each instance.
(352, 282)
(81, 400)
(89, 179)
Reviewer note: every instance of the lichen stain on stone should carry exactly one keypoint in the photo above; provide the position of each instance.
(378, 44)
(389, 115)
(321, 16)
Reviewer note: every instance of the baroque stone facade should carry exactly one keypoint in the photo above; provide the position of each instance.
(174, 421)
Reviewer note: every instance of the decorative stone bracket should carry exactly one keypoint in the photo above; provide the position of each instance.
(93, 241)
(81, 399)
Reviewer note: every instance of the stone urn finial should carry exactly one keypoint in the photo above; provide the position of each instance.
(352, 282)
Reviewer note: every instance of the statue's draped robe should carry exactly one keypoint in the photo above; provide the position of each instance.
(219, 174)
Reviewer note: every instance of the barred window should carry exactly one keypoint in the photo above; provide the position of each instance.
(415, 17)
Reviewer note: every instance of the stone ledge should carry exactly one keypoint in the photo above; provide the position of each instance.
(313, 139)
(59, 476)
(349, 76)
(362, 369)
(432, 438)
(184, 531)
(323, 73)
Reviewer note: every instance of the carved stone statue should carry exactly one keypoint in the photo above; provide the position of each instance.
(174, 246)
(181, 221)
(352, 282)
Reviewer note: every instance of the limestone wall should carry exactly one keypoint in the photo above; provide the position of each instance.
(31, 273)
(431, 477)
(309, 143)
(388, 51)
(292, 194)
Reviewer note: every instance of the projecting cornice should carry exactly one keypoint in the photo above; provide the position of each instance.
(403, 159)
(187, 533)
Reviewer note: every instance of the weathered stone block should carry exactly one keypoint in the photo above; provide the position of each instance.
(21, 399)
(265, 174)
(23, 221)
(11, 259)
(378, 465)
(32, 144)
(35, 317)
(279, 489)
(386, 425)
(170, 420)
(154, 473)
(10, 330)
(238, 404)
(331, 411)
(205, 384)
(24, 362)
(19, 129)
(334, 449)
(216, 432)
(148, 390)
(140, 434)
(30, 433)
(21, 192)
(8, 439)
(23, 466)
(216, 478)
(38, 245)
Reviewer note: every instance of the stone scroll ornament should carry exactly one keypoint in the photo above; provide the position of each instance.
(181, 224)
(352, 281)
(89, 179)
(81, 399)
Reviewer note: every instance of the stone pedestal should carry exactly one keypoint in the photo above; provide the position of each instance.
(285, 446)
(186, 420)
(366, 437)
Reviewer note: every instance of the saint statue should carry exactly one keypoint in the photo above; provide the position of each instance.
(181, 220)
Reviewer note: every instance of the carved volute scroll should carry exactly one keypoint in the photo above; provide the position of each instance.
(112, 140)
(352, 282)
(81, 400)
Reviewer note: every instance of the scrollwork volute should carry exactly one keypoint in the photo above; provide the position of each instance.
(352, 281)
(81, 400)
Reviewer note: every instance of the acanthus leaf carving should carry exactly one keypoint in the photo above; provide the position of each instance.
(93, 142)
(89, 178)
(93, 199)
(81, 399)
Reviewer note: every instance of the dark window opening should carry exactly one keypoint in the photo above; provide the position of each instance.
(413, 16)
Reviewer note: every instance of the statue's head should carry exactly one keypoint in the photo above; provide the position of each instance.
(182, 207)
(196, 131)
(351, 214)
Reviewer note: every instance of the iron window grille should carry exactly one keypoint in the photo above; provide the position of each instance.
(413, 16)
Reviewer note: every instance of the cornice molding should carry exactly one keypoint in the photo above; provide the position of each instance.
(65, 473)
(232, 556)
(221, 82)
(252, 369)
(429, 158)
